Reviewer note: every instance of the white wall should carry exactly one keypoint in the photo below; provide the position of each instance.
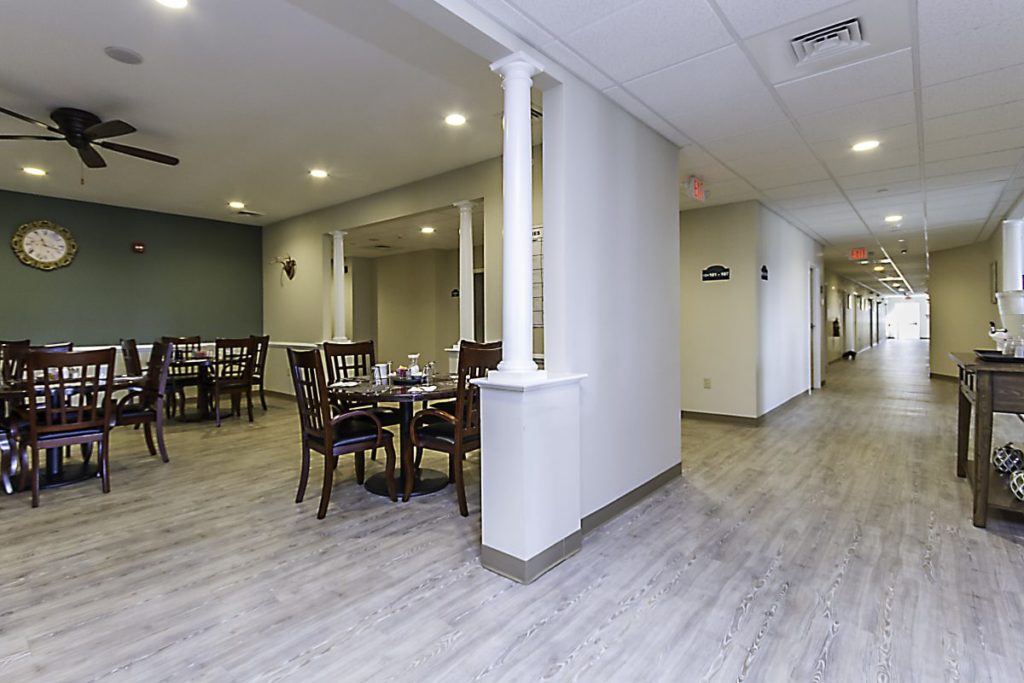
(611, 273)
(719, 319)
(784, 304)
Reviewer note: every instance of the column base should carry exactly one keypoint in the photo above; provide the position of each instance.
(453, 359)
(525, 571)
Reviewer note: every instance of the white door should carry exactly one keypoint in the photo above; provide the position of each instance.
(906, 317)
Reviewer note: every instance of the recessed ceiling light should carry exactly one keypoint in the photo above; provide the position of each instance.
(174, 4)
(455, 120)
(864, 263)
(865, 145)
(32, 170)
(236, 205)
(895, 218)
(879, 269)
(318, 173)
(427, 230)
(902, 240)
(123, 55)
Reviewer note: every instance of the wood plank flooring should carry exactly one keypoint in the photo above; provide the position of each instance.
(833, 543)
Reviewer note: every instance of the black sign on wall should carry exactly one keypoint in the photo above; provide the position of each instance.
(764, 272)
(714, 273)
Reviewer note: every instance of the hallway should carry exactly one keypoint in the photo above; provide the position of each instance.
(834, 543)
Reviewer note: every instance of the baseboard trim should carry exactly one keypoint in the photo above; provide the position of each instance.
(623, 503)
(716, 417)
(947, 378)
(280, 394)
(527, 571)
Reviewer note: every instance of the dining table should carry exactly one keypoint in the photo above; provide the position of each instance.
(189, 366)
(55, 474)
(365, 390)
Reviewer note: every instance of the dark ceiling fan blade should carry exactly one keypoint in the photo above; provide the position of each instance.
(108, 129)
(140, 153)
(28, 119)
(29, 137)
(90, 157)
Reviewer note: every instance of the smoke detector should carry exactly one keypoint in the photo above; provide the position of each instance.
(828, 41)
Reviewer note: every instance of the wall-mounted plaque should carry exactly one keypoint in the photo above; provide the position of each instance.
(714, 274)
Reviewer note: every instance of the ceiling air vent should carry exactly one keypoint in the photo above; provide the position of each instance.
(828, 41)
(247, 212)
(381, 246)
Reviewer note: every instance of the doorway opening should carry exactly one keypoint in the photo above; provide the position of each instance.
(905, 320)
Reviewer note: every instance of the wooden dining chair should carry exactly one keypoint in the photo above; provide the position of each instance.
(144, 405)
(231, 374)
(132, 360)
(348, 360)
(260, 369)
(181, 376)
(68, 403)
(59, 347)
(456, 433)
(333, 435)
(12, 366)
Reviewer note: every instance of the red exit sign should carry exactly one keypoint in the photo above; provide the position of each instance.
(858, 254)
(695, 188)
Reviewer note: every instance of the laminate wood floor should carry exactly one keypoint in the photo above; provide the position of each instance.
(833, 543)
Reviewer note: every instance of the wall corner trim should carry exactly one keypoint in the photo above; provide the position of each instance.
(527, 571)
(624, 502)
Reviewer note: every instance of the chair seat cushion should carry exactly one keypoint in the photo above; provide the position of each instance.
(440, 432)
(388, 416)
(446, 406)
(355, 431)
(136, 413)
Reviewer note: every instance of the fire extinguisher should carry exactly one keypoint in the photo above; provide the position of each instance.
(835, 327)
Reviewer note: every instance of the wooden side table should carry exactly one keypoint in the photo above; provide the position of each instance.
(989, 388)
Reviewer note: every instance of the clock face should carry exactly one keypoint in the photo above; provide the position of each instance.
(44, 245)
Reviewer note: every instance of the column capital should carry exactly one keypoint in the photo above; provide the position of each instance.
(464, 205)
(517, 64)
(338, 233)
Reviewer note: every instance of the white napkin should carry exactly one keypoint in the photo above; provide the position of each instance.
(344, 383)
(420, 390)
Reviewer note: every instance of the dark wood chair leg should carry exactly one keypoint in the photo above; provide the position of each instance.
(389, 473)
(248, 400)
(263, 398)
(160, 436)
(460, 485)
(149, 438)
(360, 458)
(419, 458)
(6, 467)
(104, 459)
(325, 494)
(303, 474)
(451, 468)
(35, 477)
(216, 403)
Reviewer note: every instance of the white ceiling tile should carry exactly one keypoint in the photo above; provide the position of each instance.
(890, 139)
(770, 162)
(890, 188)
(749, 18)
(819, 191)
(853, 163)
(880, 179)
(568, 58)
(886, 75)
(644, 113)
(788, 176)
(650, 35)
(975, 92)
(939, 17)
(859, 120)
(986, 175)
(971, 51)
(975, 144)
(999, 117)
(695, 161)
(514, 19)
(565, 16)
(755, 142)
(703, 78)
(972, 163)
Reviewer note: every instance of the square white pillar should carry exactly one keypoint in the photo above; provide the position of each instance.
(530, 473)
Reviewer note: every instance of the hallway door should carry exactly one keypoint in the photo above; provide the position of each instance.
(906, 318)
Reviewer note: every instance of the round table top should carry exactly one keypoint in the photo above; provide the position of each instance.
(365, 390)
(17, 390)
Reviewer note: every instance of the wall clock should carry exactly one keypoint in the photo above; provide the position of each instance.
(44, 245)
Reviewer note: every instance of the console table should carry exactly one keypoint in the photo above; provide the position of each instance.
(989, 388)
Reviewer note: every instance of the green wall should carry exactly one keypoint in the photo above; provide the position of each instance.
(197, 276)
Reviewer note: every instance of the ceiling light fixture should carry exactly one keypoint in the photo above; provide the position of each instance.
(864, 263)
(455, 120)
(427, 230)
(236, 205)
(318, 173)
(895, 218)
(174, 4)
(123, 55)
(32, 170)
(879, 269)
(865, 145)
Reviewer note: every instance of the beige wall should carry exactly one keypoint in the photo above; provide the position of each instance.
(856, 332)
(961, 301)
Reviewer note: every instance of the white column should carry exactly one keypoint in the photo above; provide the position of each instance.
(340, 333)
(1012, 277)
(466, 301)
(517, 71)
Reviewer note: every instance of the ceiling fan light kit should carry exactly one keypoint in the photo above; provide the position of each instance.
(84, 131)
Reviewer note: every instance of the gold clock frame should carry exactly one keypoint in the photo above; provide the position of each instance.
(18, 245)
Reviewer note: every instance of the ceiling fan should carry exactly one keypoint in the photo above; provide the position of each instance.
(82, 130)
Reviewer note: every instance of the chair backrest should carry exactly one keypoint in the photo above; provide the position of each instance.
(234, 358)
(184, 347)
(475, 360)
(310, 385)
(262, 347)
(157, 369)
(130, 353)
(69, 391)
(347, 360)
(12, 359)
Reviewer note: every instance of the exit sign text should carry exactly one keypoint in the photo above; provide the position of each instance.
(858, 254)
